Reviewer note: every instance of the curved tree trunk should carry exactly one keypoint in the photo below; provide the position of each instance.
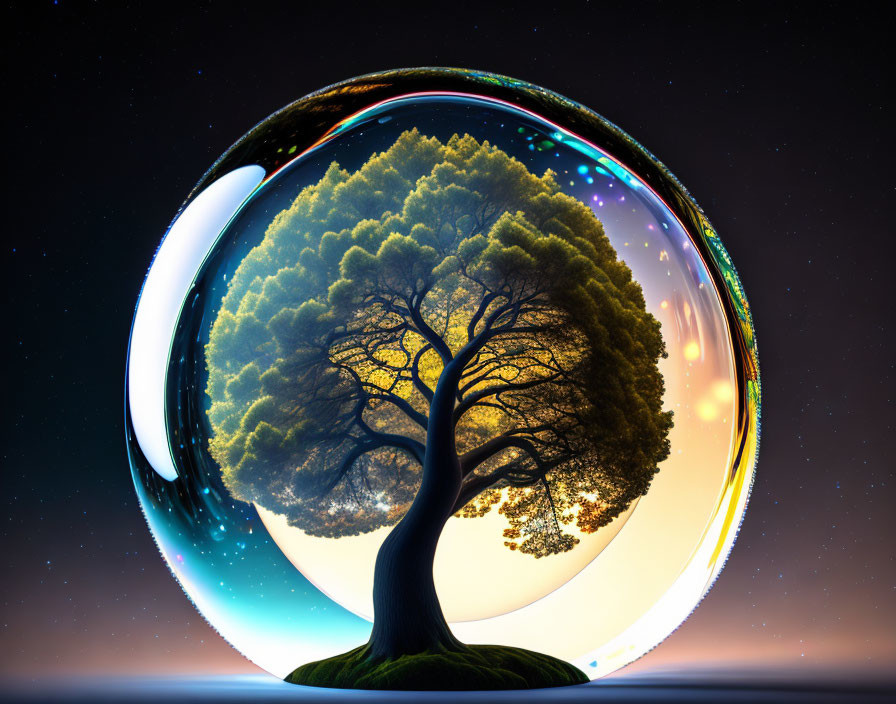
(407, 615)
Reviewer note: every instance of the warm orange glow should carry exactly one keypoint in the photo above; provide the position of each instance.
(707, 410)
(692, 351)
(723, 391)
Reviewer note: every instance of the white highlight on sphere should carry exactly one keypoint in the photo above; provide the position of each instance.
(188, 242)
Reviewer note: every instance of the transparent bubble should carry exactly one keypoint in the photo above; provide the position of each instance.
(286, 345)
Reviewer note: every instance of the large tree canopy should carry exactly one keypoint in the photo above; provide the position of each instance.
(334, 331)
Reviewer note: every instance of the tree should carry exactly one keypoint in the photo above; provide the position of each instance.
(438, 333)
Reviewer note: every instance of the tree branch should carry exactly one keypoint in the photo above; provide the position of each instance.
(430, 335)
(411, 412)
(472, 459)
(482, 394)
(477, 316)
(419, 384)
(476, 485)
(354, 454)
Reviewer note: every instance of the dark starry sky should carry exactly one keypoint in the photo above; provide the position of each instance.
(773, 118)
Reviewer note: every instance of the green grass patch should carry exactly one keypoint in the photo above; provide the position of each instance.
(477, 667)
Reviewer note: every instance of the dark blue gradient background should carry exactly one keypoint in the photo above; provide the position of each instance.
(776, 118)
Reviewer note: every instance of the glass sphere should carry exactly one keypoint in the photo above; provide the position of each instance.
(307, 301)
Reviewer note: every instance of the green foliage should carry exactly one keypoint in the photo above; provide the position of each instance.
(476, 667)
(335, 330)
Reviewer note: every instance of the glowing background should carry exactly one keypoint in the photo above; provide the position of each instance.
(790, 176)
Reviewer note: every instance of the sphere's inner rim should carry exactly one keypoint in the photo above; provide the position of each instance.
(712, 269)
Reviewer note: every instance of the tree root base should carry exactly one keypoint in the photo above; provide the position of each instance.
(476, 667)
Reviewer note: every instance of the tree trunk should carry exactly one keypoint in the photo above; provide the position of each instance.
(407, 615)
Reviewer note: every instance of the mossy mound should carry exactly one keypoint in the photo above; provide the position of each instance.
(477, 667)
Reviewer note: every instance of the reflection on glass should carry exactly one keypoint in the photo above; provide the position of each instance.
(276, 542)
